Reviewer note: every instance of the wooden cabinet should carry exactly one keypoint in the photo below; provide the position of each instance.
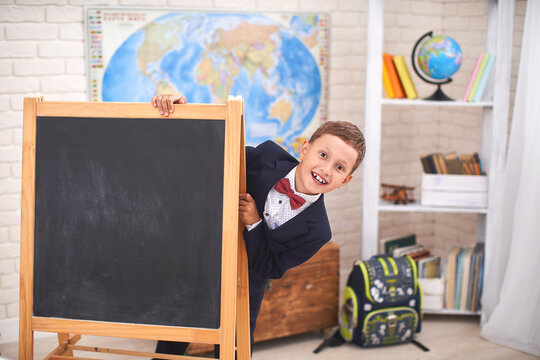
(305, 299)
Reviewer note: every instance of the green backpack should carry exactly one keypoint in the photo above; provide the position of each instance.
(381, 304)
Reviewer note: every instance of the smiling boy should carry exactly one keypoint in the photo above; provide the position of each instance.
(283, 209)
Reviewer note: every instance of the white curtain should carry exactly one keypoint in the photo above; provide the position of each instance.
(511, 298)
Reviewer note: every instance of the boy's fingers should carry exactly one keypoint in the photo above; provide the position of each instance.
(154, 101)
(170, 105)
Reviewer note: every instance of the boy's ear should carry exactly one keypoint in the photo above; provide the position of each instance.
(346, 181)
(303, 149)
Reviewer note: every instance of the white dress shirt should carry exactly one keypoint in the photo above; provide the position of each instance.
(277, 208)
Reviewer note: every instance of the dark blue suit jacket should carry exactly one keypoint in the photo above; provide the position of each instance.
(272, 252)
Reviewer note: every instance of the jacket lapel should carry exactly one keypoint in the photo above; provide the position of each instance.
(268, 176)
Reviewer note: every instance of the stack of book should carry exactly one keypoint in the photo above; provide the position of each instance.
(463, 272)
(479, 78)
(397, 81)
(451, 163)
(427, 264)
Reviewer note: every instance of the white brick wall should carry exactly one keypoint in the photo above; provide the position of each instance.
(42, 50)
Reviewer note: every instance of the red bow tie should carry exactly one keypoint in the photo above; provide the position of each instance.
(283, 186)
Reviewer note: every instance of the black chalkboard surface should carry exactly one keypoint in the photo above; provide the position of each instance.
(128, 220)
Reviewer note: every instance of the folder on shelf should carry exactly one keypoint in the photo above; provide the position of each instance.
(473, 76)
(484, 79)
(386, 83)
(405, 77)
(393, 76)
(483, 64)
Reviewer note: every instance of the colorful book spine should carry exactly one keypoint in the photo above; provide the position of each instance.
(386, 83)
(471, 81)
(394, 78)
(405, 77)
(485, 59)
(484, 79)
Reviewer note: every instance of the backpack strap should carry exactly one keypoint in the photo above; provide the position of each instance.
(420, 345)
(333, 341)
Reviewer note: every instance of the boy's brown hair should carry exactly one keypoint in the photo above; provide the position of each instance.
(347, 132)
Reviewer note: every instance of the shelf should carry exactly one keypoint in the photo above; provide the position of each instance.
(419, 102)
(417, 207)
(450, 312)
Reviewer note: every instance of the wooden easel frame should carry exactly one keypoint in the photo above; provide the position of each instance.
(234, 273)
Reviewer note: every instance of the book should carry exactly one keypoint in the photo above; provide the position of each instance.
(386, 82)
(473, 276)
(467, 163)
(405, 77)
(442, 163)
(476, 158)
(450, 270)
(459, 278)
(465, 277)
(453, 163)
(471, 81)
(419, 254)
(407, 250)
(483, 64)
(428, 267)
(426, 166)
(477, 283)
(393, 76)
(398, 242)
(484, 79)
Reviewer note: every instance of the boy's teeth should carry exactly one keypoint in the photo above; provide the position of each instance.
(319, 179)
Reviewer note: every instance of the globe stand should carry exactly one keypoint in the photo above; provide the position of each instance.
(438, 95)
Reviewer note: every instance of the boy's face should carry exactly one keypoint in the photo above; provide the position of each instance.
(326, 164)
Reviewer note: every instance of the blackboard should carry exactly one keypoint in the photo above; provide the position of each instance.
(128, 220)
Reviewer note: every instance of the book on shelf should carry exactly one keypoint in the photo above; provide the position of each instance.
(450, 274)
(406, 250)
(387, 85)
(459, 278)
(485, 58)
(484, 79)
(393, 76)
(389, 244)
(477, 277)
(405, 77)
(453, 163)
(419, 254)
(473, 76)
(428, 267)
(465, 277)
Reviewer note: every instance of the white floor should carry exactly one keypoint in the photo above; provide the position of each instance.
(448, 337)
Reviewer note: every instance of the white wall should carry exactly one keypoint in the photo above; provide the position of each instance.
(42, 50)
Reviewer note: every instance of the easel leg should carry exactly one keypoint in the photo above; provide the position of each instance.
(243, 336)
(63, 337)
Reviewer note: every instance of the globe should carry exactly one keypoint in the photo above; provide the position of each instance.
(207, 57)
(438, 57)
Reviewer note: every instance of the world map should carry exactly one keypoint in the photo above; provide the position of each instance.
(276, 62)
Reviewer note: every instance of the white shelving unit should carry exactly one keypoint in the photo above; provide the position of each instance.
(494, 123)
